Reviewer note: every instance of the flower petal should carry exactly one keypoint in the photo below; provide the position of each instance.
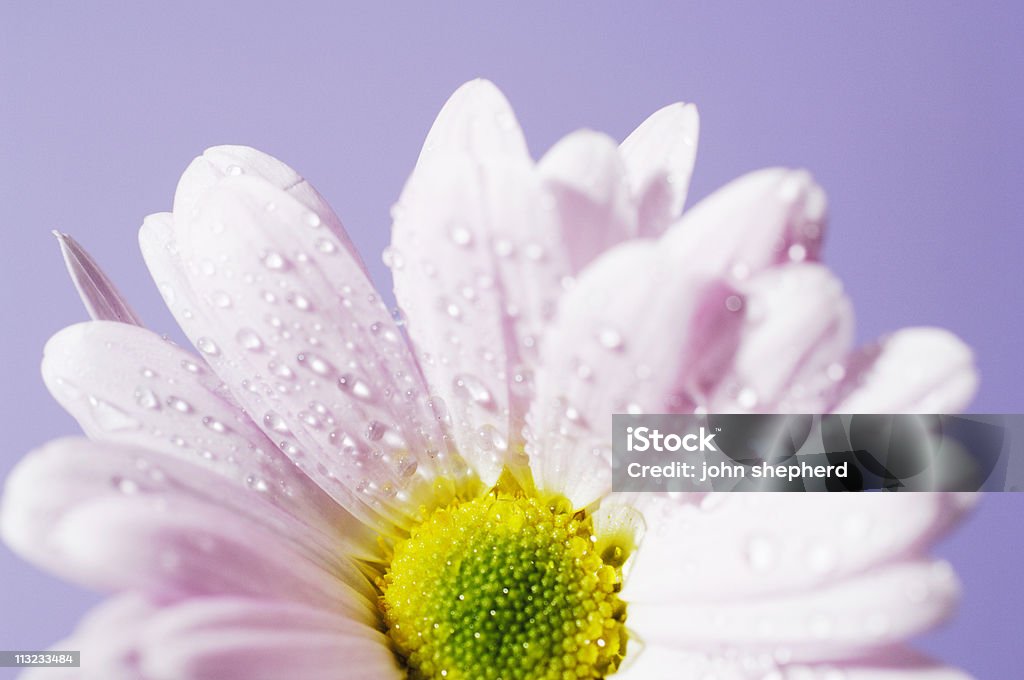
(839, 619)
(646, 661)
(212, 639)
(659, 157)
(113, 517)
(476, 120)
(788, 542)
(127, 385)
(915, 370)
(760, 220)
(308, 348)
(585, 176)
(797, 324)
(478, 263)
(99, 295)
(638, 333)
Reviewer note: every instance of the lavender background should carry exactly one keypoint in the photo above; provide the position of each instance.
(908, 113)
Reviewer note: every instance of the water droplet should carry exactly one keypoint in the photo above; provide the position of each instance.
(275, 422)
(315, 363)
(503, 248)
(207, 346)
(111, 418)
(609, 338)
(300, 302)
(392, 258)
(221, 299)
(147, 399)
(249, 339)
(461, 236)
(355, 386)
(179, 404)
(734, 303)
(747, 398)
(234, 170)
(472, 388)
(326, 245)
(797, 252)
(274, 261)
(190, 366)
(836, 372)
(313, 220)
(125, 486)
(375, 430)
(215, 425)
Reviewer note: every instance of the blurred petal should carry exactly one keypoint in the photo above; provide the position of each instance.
(915, 370)
(838, 619)
(116, 518)
(252, 639)
(585, 176)
(646, 661)
(760, 220)
(476, 120)
(638, 333)
(127, 385)
(99, 295)
(738, 546)
(797, 323)
(659, 157)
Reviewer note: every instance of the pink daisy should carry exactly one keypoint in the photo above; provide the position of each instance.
(327, 490)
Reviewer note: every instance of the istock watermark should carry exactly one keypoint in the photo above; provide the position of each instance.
(833, 452)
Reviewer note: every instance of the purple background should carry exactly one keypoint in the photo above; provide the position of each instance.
(908, 113)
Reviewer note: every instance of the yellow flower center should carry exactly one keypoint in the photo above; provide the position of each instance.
(506, 587)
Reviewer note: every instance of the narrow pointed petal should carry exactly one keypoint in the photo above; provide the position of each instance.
(840, 619)
(478, 121)
(659, 157)
(585, 176)
(99, 295)
(640, 332)
(915, 370)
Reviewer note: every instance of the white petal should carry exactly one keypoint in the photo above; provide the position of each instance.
(127, 385)
(915, 370)
(835, 621)
(659, 157)
(788, 541)
(640, 332)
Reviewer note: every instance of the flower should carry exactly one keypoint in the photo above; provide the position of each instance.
(312, 495)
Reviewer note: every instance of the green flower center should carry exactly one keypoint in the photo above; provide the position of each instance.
(506, 587)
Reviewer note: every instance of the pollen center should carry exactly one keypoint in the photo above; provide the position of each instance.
(505, 587)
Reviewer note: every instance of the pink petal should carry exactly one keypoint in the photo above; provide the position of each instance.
(915, 370)
(99, 295)
(127, 385)
(309, 349)
(638, 333)
(230, 638)
(220, 162)
(839, 619)
(760, 220)
(107, 638)
(659, 157)
(116, 518)
(789, 542)
(797, 325)
(476, 120)
(585, 176)
(478, 266)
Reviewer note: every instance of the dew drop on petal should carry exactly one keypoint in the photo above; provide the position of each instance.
(747, 398)
(207, 346)
(274, 261)
(472, 388)
(275, 422)
(461, 236)
(734, 303)
(609, 338)
(147, 399)
(249, 339)
(179, 404)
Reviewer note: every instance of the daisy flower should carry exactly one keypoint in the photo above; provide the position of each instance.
(326, 489)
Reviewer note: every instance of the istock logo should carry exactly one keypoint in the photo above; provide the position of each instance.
(648, 439)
